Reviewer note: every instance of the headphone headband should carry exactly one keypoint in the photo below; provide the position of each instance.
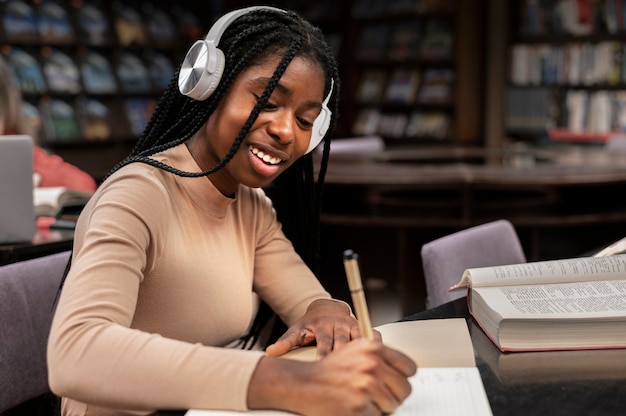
(219, 27)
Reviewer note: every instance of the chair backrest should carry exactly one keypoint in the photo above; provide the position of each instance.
(27, 292)
(444, 259)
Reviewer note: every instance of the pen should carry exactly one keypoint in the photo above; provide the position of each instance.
(350, 263)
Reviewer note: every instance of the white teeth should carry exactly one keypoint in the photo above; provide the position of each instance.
(265, 158)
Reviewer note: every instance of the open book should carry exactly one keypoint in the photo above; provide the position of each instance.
(59, 201)
(447, 382)
(530, 367)
(577, 303)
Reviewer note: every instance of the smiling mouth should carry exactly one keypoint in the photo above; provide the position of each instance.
(270, 160)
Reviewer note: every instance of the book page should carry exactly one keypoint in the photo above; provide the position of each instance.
(579, 300)
(49, 200)
(550, 271)
(46, 200)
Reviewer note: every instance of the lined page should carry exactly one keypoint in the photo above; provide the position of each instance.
(446, 392)
(436, 392)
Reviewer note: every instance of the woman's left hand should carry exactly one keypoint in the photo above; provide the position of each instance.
(327, 322)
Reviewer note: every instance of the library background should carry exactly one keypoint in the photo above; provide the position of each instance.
(487, 109)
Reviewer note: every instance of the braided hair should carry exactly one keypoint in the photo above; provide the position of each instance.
(296, 195)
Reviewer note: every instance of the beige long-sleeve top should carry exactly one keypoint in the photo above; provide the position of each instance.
(162, 279)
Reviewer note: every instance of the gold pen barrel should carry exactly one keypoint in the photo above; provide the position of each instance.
(350, 262)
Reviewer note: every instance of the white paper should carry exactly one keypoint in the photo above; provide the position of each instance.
(436, 392)
(550, 271)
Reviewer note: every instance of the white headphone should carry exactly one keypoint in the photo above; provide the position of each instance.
(203, 66)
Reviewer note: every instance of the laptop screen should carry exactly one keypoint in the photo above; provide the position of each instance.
(17, 213)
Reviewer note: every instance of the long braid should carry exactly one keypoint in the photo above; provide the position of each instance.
(296, 196)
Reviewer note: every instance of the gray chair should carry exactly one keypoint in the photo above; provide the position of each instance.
(444, 259)
(27, 292)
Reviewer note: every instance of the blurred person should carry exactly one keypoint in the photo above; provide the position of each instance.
(48, 170)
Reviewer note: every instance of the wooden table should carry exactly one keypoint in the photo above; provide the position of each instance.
(562, 201)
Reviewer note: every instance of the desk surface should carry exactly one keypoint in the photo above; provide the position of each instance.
(596, 392)
(478, 166)
(43, 243)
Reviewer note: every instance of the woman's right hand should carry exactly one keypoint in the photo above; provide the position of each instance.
(359, 378)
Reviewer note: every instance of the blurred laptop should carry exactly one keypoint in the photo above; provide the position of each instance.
(17, 212)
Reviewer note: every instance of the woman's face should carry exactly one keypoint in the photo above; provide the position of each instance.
(278, 137)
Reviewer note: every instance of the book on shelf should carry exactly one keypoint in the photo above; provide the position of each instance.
(443, 350)
(565, 304)
(129, 25)
(61, 71)
(404, 41)
(133, 73)
(97, 73)
(392, 125)
(96, 119)
(160, 26)
(366, 122)
(19, 21)
(528, 109)
(32, 118)
(93, 26)
(59, 120)
(25, 71)
(436, 86)
(53, 23)
(161, 69)
(437, 42)
(372, 42)
(371, 85)
(59, 202)
(402, 86)
(432, 124)
(519, 368)
(138, 113)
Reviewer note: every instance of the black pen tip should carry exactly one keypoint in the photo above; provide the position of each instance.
(349, 255)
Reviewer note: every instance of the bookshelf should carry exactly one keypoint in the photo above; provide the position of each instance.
(90, 71)
(411, 70)
(412, 73)
(94, 69)
(567, 79)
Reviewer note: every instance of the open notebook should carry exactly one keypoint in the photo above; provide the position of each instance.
(447, 382)
(17, 213)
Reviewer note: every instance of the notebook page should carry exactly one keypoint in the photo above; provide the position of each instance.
(446, 392)
(436, 392)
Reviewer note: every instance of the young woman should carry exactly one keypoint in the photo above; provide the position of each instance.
(170, 250)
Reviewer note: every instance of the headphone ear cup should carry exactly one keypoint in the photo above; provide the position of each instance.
(201, 70)
(216, 75)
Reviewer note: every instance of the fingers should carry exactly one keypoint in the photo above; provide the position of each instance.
(393, 378)
(328, 341)
(398, 360)
(294, 337)
(377, 335)
(280, 347)
(394, 389)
